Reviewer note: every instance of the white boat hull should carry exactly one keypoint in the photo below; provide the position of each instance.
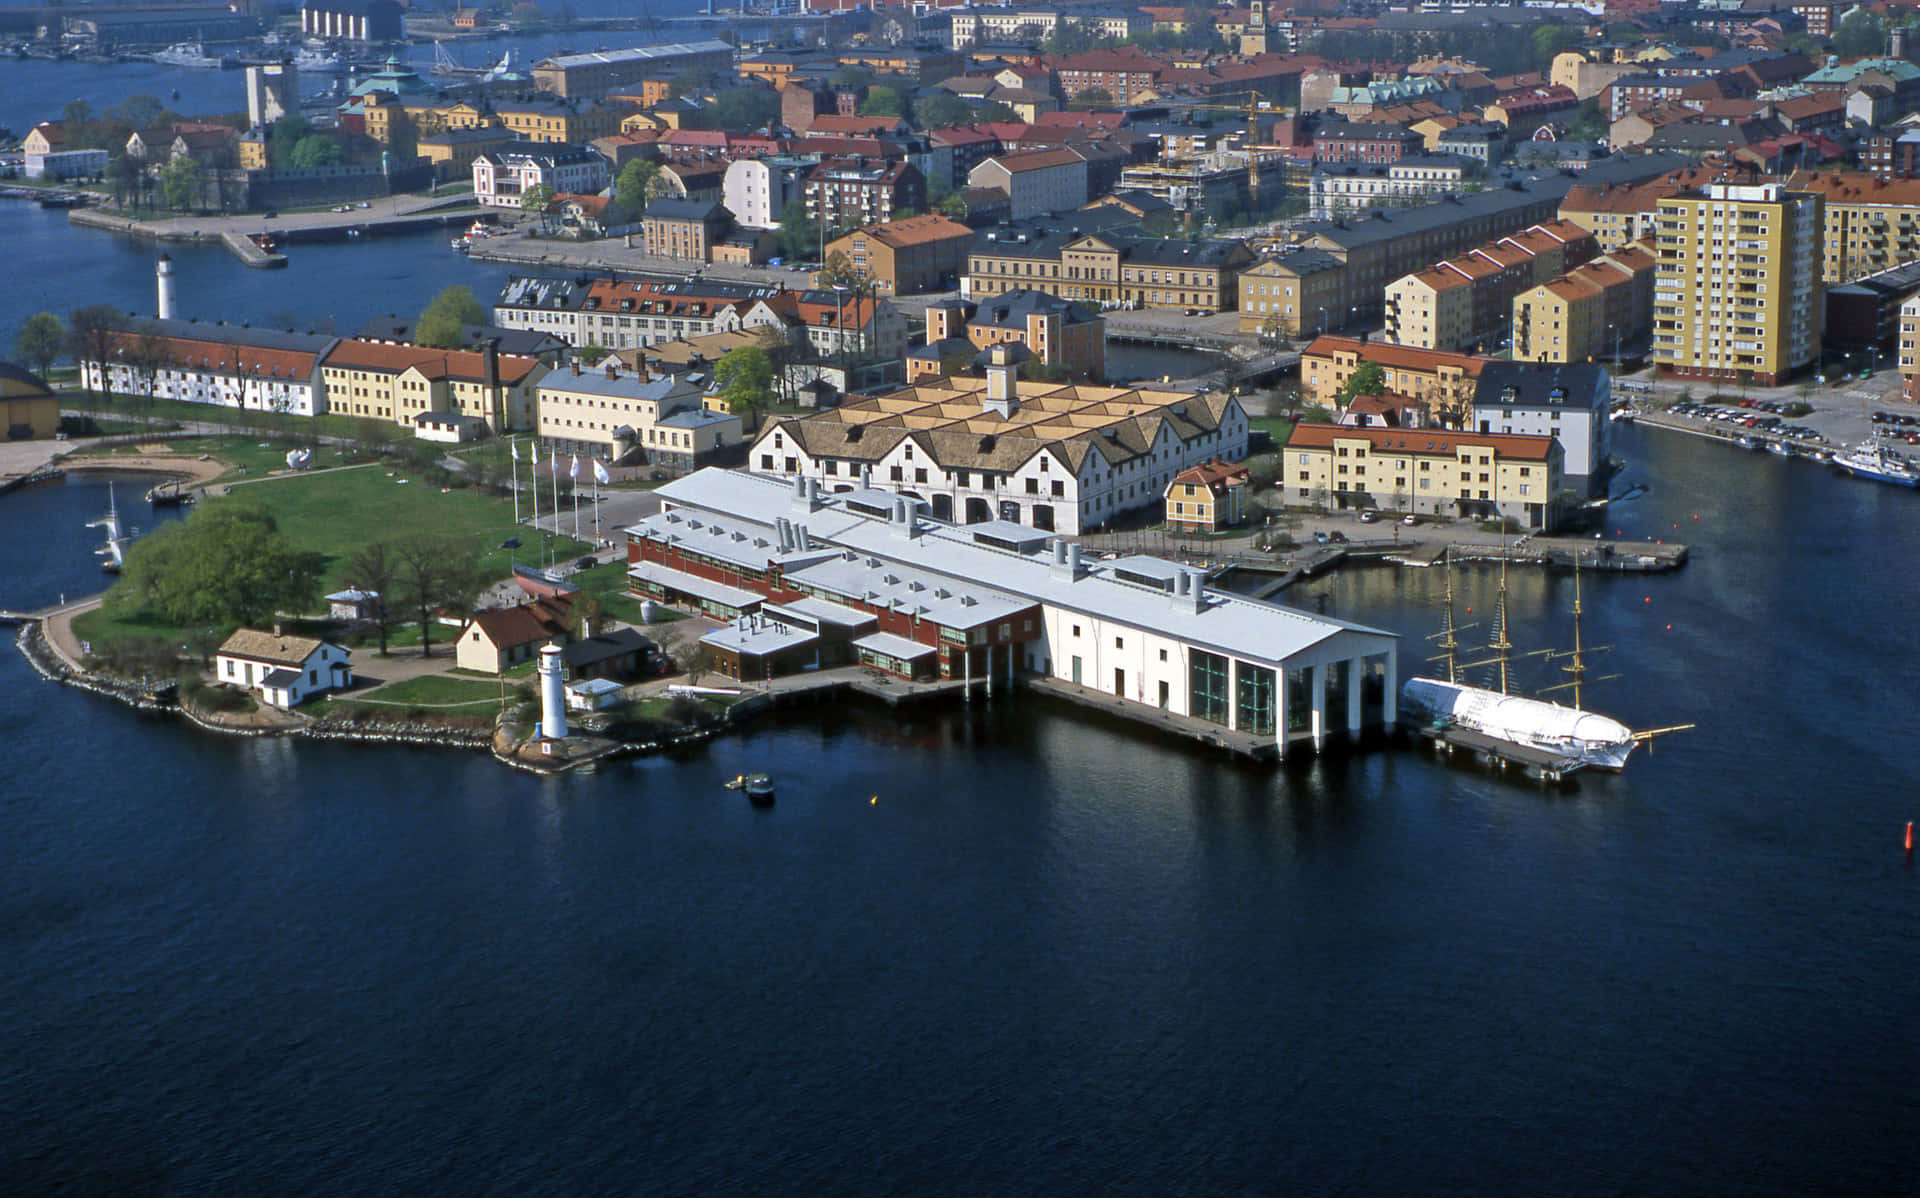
(1592, 740)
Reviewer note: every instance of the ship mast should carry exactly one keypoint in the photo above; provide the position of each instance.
(1500, 645)
(1576, 667)
(1449, 636)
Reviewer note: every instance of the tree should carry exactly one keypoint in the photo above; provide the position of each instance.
(634, 188)
(375, 569)
(839, 269)
(1862, 33)
(142, 112)
(1093, 97)
(1588, 123)
(953, 206)
(146, 354)
(90, 333)
(41, 340)
(181, 183)
(997, 110)
(743, 109)
(850, 76)
(289, 131)
(225, 564)
(434, 573)
(1547, 41)
(941, 110)
(1369, 379)
(443, 321)
(743, 377)
(534, 201)
(316, 150)
(799, 235)
(883, 101)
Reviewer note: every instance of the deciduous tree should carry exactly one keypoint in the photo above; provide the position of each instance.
(744, 377)
(41, 340)
(375, 569)
(1369, 379)
(433, 573)
(442, 322)
(225, 564)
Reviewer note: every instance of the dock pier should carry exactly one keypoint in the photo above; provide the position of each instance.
(250, 252)
(1500, 755)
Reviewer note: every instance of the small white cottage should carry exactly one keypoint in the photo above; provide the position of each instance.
(286, 670)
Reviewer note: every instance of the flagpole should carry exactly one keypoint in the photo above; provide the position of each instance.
(514, 449)
(596, 505)
(574, 474)
(533, 480)
(556, 506)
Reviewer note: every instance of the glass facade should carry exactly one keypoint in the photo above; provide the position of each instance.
(1253, 699)
(1299, 701)
(1207, 687)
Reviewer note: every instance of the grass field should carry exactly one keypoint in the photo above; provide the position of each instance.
(1274, 426)
(434, 691)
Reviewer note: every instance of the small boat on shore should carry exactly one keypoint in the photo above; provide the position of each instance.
(169, 494)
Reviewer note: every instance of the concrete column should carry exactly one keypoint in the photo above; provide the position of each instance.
(1390, 707)
(1233, 693)
(966, 658)
(1356, 673)
(1280, 709)
(1319, 707)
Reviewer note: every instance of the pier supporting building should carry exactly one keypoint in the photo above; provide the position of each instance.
(808, 579)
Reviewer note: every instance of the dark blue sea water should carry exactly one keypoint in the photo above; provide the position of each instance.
(1012, 949)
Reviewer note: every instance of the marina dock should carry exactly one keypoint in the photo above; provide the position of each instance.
(250, 251)
(382, 217)
(1498, 754)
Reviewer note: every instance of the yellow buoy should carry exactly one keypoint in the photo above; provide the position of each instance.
(872, 801)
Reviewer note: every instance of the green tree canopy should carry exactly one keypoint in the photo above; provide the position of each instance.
(942, 109)
(181, 182)
(634, 188)
(289, 131)
(41, 340)
(441, 321)
(225, 564)
(743, 109)
(851, 76)
(1369, 379)
(1093, 96)
(1862, 33)
(317, 149)
(534, 200)
(883, 101)
(745, 377)
(799, 234)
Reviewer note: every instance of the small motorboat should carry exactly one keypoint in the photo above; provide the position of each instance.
(759, 788)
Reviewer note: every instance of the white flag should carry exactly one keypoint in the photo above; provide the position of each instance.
(556, 463)
(514, 448)
(600, 474)
(575, 472)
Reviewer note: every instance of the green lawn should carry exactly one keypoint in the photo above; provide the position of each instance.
(250, 457)
(1276, 427)
(335, 513)
(434, 691)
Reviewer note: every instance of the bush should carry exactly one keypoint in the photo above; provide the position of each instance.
(1505, 524)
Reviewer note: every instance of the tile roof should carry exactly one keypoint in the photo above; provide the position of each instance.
(271, 647)
(1416, 442)
(535, 620)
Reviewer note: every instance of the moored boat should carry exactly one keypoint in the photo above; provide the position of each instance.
(1875, 461)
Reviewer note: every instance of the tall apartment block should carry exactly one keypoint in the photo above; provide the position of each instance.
(1737, 293)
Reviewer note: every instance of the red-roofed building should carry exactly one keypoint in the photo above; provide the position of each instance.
(1430, 472)
(1208, 497)
(495, 641)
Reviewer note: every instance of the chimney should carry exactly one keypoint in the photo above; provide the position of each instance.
(866, 476)
(1073, 567)
(1196, 592)
(782, 527)
(279, 629)
(1002, 396)
(576, 368)
(613, 367)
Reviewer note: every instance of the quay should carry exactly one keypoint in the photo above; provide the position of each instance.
(250, 252)
(1714, 430)
(386, 216)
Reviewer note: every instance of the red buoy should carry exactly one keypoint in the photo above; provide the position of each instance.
(1909, 837)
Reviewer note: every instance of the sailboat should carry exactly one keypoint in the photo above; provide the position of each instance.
(1582, 737)
(113, 551)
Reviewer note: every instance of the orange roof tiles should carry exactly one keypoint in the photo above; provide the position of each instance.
(1434, 442)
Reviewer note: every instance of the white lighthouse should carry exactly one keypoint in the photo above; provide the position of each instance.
(163, 281)
(553, 697)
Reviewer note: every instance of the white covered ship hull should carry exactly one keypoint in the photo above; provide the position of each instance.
(1593, 740)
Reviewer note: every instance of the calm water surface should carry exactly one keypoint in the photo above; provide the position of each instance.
(1054, 956)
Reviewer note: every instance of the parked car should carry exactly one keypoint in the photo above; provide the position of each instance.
(1337, 537)
(1320, 538)
(1409, 519)
(1367, 517)
(510, 543)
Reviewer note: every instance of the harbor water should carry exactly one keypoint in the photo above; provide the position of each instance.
(1012, 948)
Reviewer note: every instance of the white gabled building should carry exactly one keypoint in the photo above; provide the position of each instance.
(994, 602)
(1058, 457)
(501, 177)
(286, 670)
